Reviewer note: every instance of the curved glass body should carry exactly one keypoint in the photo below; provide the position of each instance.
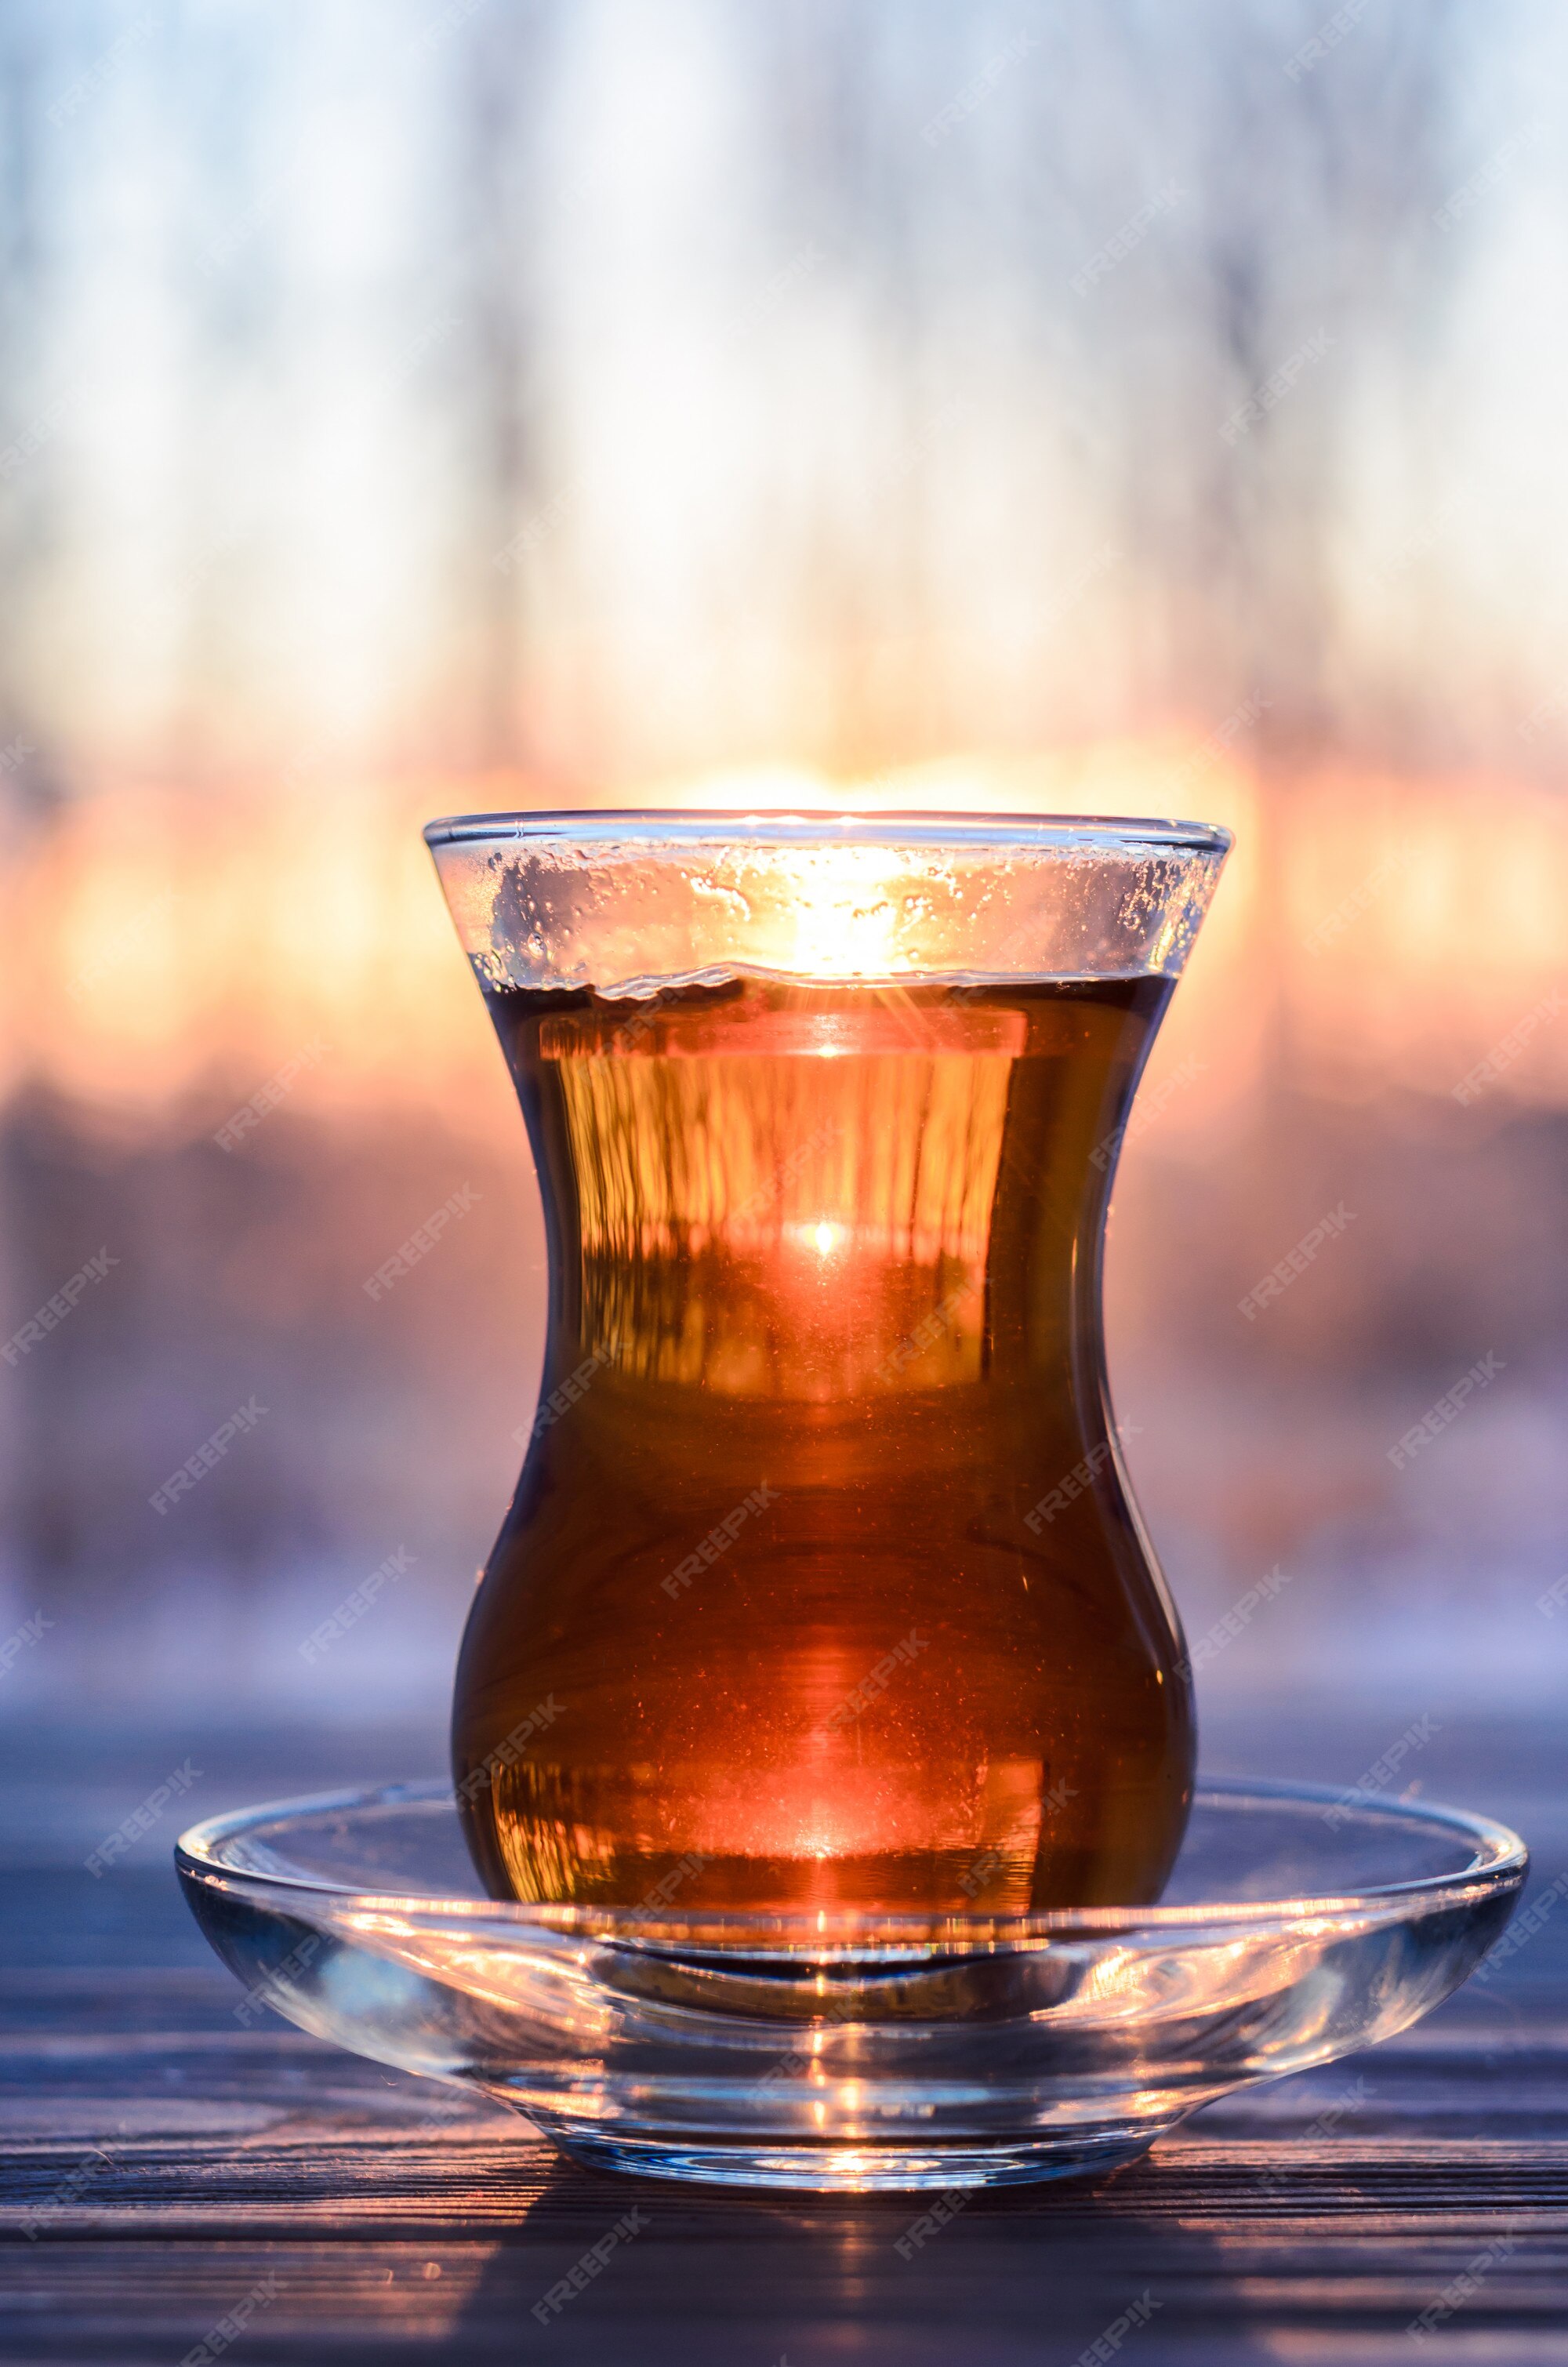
(822, 1586)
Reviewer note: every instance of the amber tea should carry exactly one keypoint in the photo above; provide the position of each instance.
(822, 1586)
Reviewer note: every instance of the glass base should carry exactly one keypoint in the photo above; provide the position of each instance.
(856, 2170)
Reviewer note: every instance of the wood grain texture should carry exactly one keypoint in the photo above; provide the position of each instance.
(160, 2162)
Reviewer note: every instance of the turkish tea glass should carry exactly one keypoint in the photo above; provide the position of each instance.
(823, 1587)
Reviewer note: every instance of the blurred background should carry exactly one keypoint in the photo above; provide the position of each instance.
(410, 408)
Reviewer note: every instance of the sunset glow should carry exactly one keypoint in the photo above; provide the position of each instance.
(175, 953)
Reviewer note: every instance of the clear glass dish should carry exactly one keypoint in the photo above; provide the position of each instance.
(843, 2050)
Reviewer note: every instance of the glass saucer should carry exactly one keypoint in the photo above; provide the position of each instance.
(845, 2050)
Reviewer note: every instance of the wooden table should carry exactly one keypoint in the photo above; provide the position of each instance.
(168, 2174)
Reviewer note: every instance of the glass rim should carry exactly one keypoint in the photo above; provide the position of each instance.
(678, 826)
(1499, 1859)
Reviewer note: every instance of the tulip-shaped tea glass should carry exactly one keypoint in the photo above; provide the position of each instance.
(823, 1733)
(822, 1587)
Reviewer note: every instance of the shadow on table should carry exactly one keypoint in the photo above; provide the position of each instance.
(1035, 2274)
